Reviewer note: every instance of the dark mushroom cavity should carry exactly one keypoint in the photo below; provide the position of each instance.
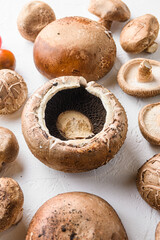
(74, 114)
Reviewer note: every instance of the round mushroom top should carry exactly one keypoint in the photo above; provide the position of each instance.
(9, 147)
(13, 91)
(76, 216)
(11, 202)
(74, 46)
(148, 181)
(149, 122)
(140, 77)
(33, 17)
(111, 10)
(54, 130)
(157, 233)
(139, 33)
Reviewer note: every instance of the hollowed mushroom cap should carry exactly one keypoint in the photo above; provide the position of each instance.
(111, 10)
(140, 77)
(149, 123)
(33, 17)
(105, 114)
(76, 215)
(148, 181)
(74, 46)
(157, 233)
(13, 91)
(9, 147)
(11, 203)
(139, 33)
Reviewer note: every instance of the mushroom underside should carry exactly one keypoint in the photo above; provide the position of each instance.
(85, 112)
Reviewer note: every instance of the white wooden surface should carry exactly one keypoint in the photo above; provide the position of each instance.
(114, 182)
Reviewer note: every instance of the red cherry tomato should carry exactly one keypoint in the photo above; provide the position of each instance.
(0, 41)
(7, 59)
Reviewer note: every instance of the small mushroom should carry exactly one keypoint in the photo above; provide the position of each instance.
(157, 233)
(73, 126)
(13, 91)
(149, 123)
(33, 17)
(148, 181)
(139, 34)
(11, 203)
(109, 11)
(74, 46)
(9, 147)
(75, 216)
(140, 77)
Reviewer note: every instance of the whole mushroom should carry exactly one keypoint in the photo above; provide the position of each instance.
(139, 34)
(9, 147)
(33, 17)
(13, 91)
(149, 123)
(11, 203)
(109, 11)
(74, 46)
(148, 181)
(140, 77)
(74, 126)
(76, 215)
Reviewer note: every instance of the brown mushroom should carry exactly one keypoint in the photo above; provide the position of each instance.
(157, 233)
(140, 77)
(86, 142)
(76, 215)
(109, 11)
(11, 203)
(33, 17)
(13, 91)
(148, 182)
(9, 147)
(149, 123)
(74, 46)
(139, 34)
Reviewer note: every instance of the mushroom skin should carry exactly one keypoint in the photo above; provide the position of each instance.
(139, 33)
(13, 91)
(149, 123)
(140, 77)
(77, 155)
(109, 11)
(33, 17)
(148, 179)
(11, 203)
(9, 146)
(157, 233)
(74, 46)
(76, 215)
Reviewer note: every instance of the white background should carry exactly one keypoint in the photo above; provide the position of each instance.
(115, 182)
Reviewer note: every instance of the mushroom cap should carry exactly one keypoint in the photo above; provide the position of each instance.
(74, 46)
(148, 181)
(127, 79)
(76, 215)
(13, 91)
(33, 17)
(139, 33)
(111, 10)
(157, 233)
(149, 123)
(11, 203)
(75, 155)
(9, 147)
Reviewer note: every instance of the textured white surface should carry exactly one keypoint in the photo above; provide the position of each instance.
(114, 182)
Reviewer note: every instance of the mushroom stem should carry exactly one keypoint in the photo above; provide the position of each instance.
(107, 24)
(145, 72)
(158, 120)
(152, 48)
